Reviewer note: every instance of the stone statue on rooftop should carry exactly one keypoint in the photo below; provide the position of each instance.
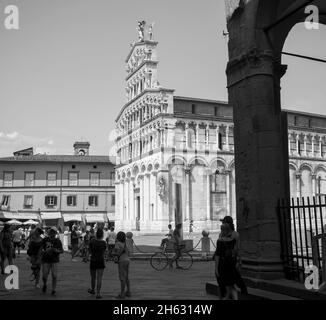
(140, 29)
(150, 31)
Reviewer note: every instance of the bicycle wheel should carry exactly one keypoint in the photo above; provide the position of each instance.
(159, 261)
(185, 261)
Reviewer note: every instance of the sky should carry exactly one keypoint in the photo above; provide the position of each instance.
(63, 72)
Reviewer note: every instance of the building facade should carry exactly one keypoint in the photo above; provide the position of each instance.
(175, 155)
(57, 188)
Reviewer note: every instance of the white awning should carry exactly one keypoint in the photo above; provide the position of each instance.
(94, 217)
(50, 215)
(20, 215)
(111, 216)
(72, 217)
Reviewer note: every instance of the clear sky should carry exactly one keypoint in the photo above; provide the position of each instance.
(62, 74)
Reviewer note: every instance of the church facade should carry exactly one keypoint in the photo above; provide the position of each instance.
(175, 155)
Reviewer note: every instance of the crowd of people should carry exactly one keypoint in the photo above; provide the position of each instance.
(44, 249)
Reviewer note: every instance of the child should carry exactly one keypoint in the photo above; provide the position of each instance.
(122, 252)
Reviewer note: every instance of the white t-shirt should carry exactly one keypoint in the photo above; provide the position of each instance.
(17, 236)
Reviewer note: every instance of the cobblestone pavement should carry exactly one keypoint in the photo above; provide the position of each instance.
(146, 283)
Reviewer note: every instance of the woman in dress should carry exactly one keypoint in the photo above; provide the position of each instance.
(225, 262)
(97, 249)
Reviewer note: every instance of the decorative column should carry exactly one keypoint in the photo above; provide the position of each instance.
(227, 131)
(228, 191)
(289, 142)
(298, 177)
(187, 174)
(297, 139)
(320, 147)
(207, 136)
(312, 146)
(187, 135)
(208, 190)
(142, 216)
(197, 136)
(156, 196)
(218, 137)
(313, 182)
(131, 199)
(305, 145)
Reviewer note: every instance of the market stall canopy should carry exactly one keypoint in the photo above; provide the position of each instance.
(50, 215)
(30, 222)
(19, 215)
(72, 217)
(14, 222)
(93, 217)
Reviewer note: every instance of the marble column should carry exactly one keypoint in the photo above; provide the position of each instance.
(207, 136)
(131, 199)
(289, 143)
(297, 139)
(228, 191)
(298, 179)
(208, 191)
(313, 182)
(154, 190)
(197, 136)
(227, 131)
(305, 145)
(320, 148)
(142, 215)
(312, 146)
(187, 174)
(187, 135)
(218, 137)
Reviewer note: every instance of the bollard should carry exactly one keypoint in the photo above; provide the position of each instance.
(130, 242)
(205, 245)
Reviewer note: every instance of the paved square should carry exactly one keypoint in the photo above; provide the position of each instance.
(146, 283)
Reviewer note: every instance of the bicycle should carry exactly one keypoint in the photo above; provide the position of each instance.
(160, 260)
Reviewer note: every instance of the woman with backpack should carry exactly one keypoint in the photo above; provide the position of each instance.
(225, 263)
(97, 247)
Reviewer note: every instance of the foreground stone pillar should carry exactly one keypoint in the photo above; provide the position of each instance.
(261, 157)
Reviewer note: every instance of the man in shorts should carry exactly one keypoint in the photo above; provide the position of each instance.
(51, 250)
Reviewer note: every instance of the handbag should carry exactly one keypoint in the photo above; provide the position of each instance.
(116, 258)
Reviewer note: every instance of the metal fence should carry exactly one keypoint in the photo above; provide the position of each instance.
(301, 220)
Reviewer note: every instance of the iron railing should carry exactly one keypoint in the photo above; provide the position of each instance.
(301, 220)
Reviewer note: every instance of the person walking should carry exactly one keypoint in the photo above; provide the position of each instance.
(74, 242)
(51, 250)
(225, 263)
(34, 252)
(6, 247)
(235, 235)
(97, 249)
(17, 237)
(191, 229)
(122, 252)
(110, 240)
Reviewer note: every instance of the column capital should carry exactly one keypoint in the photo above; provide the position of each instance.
(298, 175)
(313, 176)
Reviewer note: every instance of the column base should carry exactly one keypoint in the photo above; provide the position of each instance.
(262, 269)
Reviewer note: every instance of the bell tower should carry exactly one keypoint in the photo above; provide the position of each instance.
(141, 63)
(81, 148)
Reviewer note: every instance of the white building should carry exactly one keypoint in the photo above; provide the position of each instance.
(175, 159)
